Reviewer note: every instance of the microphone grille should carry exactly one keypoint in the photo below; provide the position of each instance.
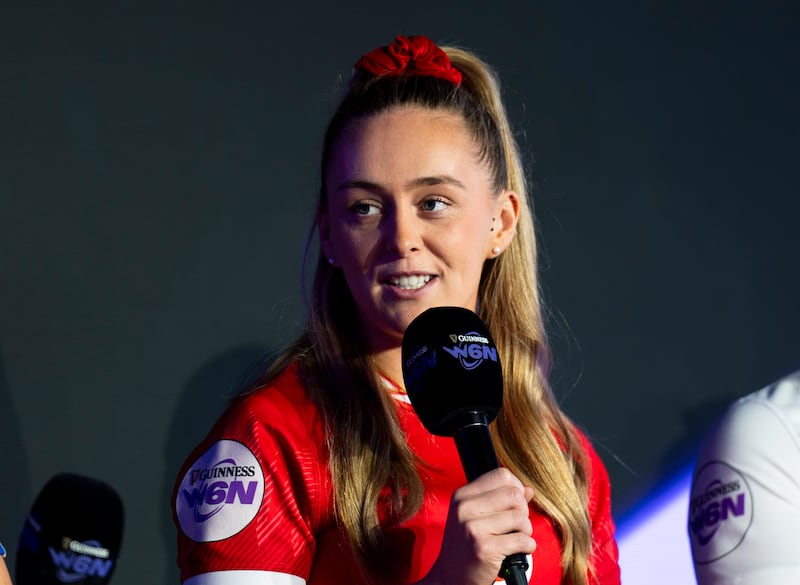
(72, 534)
(451, 368)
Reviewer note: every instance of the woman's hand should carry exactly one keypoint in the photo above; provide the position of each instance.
(487, 521)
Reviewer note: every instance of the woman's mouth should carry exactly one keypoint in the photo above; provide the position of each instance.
(410, 282)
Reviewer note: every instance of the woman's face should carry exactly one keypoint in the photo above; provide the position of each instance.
(411, 217)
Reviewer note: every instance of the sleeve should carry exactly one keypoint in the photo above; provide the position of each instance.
(744, 518)
(604, 568)
(248, 502)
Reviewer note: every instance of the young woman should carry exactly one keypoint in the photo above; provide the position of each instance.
(323, 473)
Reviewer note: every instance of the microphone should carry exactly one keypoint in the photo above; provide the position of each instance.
(454, 380)
(72, 534)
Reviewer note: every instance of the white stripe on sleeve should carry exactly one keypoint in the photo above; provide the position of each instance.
(245, 578)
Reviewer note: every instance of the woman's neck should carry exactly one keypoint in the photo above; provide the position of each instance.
(389, 362)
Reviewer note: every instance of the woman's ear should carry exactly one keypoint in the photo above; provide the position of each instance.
(504, 223)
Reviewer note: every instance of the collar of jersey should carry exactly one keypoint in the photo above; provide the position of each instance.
(395, 389)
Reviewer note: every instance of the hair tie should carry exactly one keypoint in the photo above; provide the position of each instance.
(416, 55)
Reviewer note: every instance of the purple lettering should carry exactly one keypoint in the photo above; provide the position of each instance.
(457, 351)
(61, 558)
(475, 351)
(237, 489)
(697, 524)
(737, 508)
(101, 568)
(711, 514)
(195, 497)
(216, 493)
(81, 565)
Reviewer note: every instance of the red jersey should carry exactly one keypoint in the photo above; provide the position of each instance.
(254, 504)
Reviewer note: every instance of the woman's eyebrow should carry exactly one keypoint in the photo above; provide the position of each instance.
(414, 183)
(435, 180)
(360, 184)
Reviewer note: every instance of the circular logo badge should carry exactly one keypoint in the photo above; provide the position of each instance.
(720, 511)
(221, 492)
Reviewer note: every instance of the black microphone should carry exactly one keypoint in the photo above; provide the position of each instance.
(454, 380)
(72, 534)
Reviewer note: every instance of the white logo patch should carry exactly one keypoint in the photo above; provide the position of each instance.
(221, 492)
(720, 511)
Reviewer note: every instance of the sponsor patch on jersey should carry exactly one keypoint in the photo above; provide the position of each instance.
(220, 493)
(720, 511)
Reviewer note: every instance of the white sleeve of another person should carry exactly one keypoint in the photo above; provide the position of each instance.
(244, 578)
(744, 512)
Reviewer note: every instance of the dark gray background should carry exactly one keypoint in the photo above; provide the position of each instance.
(157, 173)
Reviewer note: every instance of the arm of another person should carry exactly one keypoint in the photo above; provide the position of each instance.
(744, 514)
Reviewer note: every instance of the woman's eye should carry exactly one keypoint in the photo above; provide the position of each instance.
(434, 204)
(365, 208)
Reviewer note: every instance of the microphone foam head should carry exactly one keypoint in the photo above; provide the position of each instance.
(72, 534)
(451, 368)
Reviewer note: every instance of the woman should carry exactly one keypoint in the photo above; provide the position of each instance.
(323, 474)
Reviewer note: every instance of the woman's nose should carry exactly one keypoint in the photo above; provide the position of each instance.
(402, 232)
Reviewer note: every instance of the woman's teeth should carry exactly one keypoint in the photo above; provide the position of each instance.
(412, 282)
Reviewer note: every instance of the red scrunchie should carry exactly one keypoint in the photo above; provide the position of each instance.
(416, 55)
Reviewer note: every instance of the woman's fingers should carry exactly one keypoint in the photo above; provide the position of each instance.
(496, 491)
(488, 521)
(493, 512)
(491, 479)
(499, 523)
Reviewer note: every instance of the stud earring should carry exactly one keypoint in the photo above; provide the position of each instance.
(496, 251)
(331, 260)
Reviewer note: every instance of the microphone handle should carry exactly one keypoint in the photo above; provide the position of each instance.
(475, 446)
(476, 450)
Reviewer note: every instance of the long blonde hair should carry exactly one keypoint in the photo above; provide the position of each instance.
(367, 448)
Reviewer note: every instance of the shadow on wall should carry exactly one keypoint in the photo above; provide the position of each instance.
(17, 495)
(202, 400)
